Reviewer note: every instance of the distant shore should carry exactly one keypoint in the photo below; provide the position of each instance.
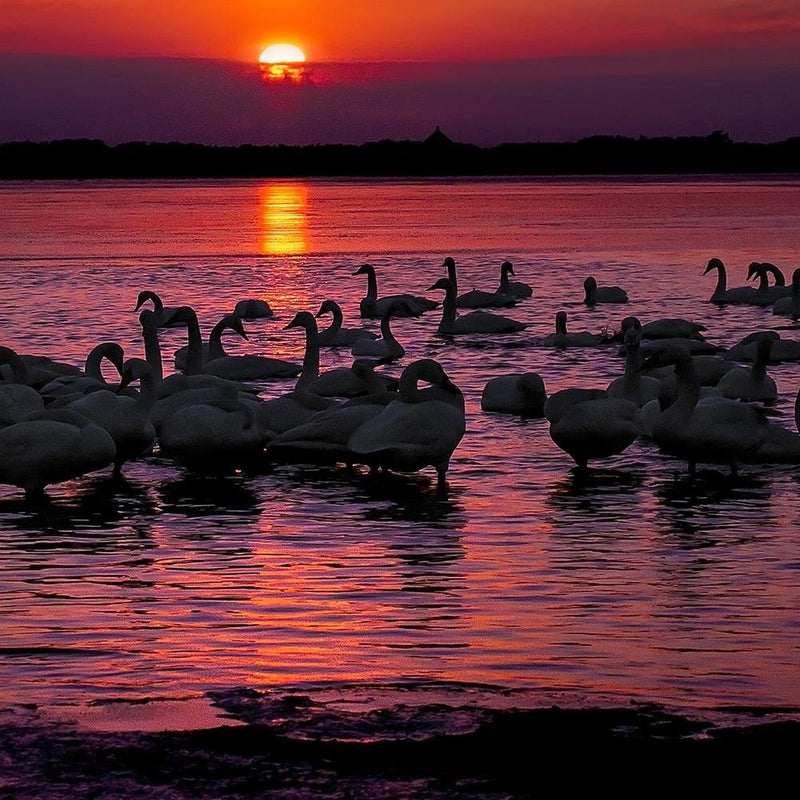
(436, 156)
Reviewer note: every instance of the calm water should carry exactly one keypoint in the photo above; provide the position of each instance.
(632, 583)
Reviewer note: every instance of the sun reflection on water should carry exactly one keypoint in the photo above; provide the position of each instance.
(284, 221)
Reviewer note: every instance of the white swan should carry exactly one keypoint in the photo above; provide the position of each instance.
(751, 385)
(387, 347)
(594, 294)
(639, 389)
(522, 393)
(17, 399)
(562, 338)
(596, 428)
(790, 306)
(740, 295)
(475, 322)
(127, 419)
(335, 335)
(57, 446)
(476, 298)
(421, 429)
(712, 431)
(514, 288)
(251, 309)
(371, 306)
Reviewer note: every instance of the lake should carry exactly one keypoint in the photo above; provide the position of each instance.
(524, 584)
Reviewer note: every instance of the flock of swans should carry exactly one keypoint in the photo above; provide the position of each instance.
(58, 422)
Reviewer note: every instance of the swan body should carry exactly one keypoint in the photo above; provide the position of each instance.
(696, 347)
(514, 288)
(522, 393)
(251, 309)
(596, 428)
(67, 388)
(740, 295)
(780, 446)
(715, 430)
(781, 350)
(602, 294)
(38, 452)
(762, 271)
(371, 306)
(751, 385)
(672, 328)
(477, 298)
(633, 386)
(335, 335)
(386, 347)
(127, 419)
(562, 338)
(558, 403)
(17, 399)
(790, 306)
(476, 322)
(422, 428)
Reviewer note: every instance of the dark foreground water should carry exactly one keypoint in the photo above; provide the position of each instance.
(370, 636)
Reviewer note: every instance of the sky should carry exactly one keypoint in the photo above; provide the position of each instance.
(485, 70)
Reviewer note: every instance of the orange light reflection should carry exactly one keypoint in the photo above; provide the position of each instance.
(283, 73)
(284, 219)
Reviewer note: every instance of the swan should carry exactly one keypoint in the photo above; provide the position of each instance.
(476, 298)
(162, 313)
(522, 393)
(50, 447)
(751, 385)
(335, 335)
(251, 309)
(371, 306)
(672, 328)
(762, 270)
(602, 294)
(17, 399)
(475, 322)
(714, 430)
(514, 288)
(387, 347)
(236, 368)
(782, 349)
(215, 437)
(561, 338)
(213, 348)
(790, 306)
(558, 403)
(596, 428)
(339, 382)
(127, 419)
(67, 388)
(639, 389)
(740, 295)
(422, 428)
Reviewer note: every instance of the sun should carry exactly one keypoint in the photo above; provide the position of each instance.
(282, 54)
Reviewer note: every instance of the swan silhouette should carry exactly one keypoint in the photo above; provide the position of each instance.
(751, 385)
(714, 430)
(561, 338)
(50, 447)
(514, 288)
(127, 419)
(475, 322)
(252, 309)
(521, 393)
(740, 295)
(371, 306)
(762, 270)
(386, 347)
(594, 294)
(790, 306)
(476, 298)
(17, 399)
(422, 428)
(63, 390)
(639, 389)
(335, 335)
(162, 313)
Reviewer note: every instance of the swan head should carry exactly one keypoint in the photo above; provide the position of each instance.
(444, 284)
(590, 284)
(449, 262)
(507, 267)
(633, 339)
(233, 323)
(714, 263)
(365, 269)
(153, 297)
(631, 322)
(302, 319)
(327, 307)
(113, 352)
(183, 315)
(134, 369)
(754, 270)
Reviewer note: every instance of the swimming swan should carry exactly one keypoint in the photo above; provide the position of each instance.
(639, 389)
(335, 335)
(521, 393)
(475, 322)
(421, 429)
(594, 294)
(751, 385)
(371, 306)
(514, 288)
(387, 347)
(561, 338)
(740, 295)
(477, 298)
(790, 306)
(252, 309)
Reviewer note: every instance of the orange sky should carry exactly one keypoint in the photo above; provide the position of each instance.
(415, 30)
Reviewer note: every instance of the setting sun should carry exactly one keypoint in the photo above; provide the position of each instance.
(282, 54)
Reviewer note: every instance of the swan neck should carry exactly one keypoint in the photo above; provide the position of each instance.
(147, 393)
(215, 348)
(194, 358)
(152, 347)
(449, 307)
(310, 356)
(372, 285)
(386, 330)
(722, 281)
(688, 386)
(453, 275)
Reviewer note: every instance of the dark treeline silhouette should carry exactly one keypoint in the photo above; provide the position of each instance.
(435, 156)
